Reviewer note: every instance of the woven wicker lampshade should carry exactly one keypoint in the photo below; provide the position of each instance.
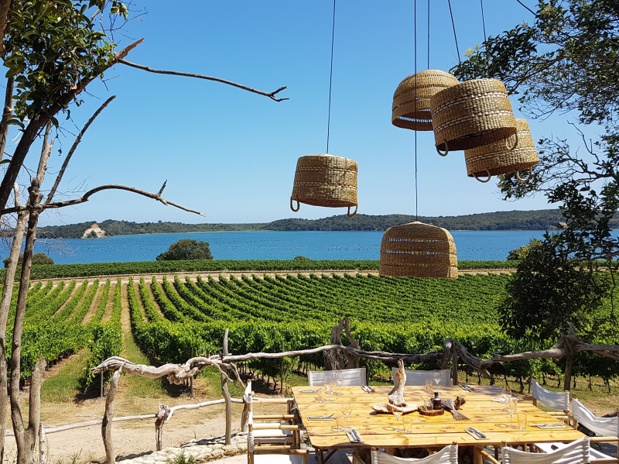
(411, 100)
(325, 180)
(495, 158)
(418, 250)
(471, 114)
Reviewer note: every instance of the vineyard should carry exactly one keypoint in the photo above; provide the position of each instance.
(175, 318)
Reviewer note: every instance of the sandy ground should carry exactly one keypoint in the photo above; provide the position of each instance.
(130, 438)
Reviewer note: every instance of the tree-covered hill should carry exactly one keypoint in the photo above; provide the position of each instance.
(508, 220)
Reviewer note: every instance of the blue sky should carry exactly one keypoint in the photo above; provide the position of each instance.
(232, 154)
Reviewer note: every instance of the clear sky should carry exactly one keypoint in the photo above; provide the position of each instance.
(231, 154)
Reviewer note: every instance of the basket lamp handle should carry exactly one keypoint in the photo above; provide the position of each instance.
(353, 213)
(292, 207)
(515, 143)
(438, 150)
(482, 180)
(527, 178)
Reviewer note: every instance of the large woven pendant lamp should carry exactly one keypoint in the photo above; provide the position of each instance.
(495, 159)
(411, 100)
(471, 114)
(326, 180)
(418, 250)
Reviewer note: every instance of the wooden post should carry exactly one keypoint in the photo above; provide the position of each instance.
(226, 394)
(454, 364)
(106, 424)
(42, 445)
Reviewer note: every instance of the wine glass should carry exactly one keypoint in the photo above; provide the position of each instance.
(437, 377)
(329, 382)
(339, 378)
(346, 408)
(512, 407)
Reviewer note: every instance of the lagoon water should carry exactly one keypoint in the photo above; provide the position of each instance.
(471, 245)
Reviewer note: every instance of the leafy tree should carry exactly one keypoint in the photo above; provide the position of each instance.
(548, 293)
(51, 51)
(521, 252)
(186, 249)
(566, 62)
(37, 258)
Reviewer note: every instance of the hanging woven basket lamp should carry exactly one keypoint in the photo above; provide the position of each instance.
(495, 159)
(325, 180)
(418, 250)
(471, 114)
(411, 100)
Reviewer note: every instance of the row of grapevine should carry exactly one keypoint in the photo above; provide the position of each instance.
(61, 271)
(173, 320)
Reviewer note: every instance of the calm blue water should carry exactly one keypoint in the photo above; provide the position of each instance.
(471, 245)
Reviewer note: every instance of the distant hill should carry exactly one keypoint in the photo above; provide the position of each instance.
(502, 220)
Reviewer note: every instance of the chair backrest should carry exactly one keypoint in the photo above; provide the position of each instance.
(355, 377)
(550, 399)
(601, 426)
(576, 452)
(448, 455)
(417, 377)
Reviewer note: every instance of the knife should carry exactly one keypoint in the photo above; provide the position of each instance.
(356, 435)
(329, 417)
(476, 433)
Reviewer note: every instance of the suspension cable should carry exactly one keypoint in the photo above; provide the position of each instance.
(483, 19)
(331, 76)
(453, 26)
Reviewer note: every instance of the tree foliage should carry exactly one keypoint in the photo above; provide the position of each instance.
(37, 258)
(549, 293)
(187, 249)
(566, 61)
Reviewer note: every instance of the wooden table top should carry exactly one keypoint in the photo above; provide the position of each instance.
(379, 429)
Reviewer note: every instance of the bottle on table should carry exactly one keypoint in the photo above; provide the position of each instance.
(437, 403)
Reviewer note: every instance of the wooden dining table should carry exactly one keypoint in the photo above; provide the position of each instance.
(484, 408)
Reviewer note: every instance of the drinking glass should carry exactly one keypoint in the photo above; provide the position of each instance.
(512, 407)
(429, 388)
(346, 408)
(339, 378)
(397, 412)
(329, 382)
(437, 377)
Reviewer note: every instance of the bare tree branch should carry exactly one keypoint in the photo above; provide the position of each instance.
(271, 95)
(87, 195)
(77, 141)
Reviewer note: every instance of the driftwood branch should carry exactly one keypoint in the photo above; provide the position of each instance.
(175, 373)
(87, 195)
(106, 424)
(271, 95)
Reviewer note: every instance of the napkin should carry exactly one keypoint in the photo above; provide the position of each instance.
(552, 425)
(353, 436)
(475, 433)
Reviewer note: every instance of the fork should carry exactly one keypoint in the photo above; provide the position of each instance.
(449, 405)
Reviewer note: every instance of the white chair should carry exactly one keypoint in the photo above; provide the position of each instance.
(448, 455)
(606, 430)
(554, 400)
(418, 377)
(355, 377)
(576, 452)
(275, 441)
(560, 401)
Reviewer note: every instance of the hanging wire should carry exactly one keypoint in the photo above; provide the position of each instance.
(483, 19)
(453, 26)
(527, 8)
(428, 34)
(331, 76)
(416, 90)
